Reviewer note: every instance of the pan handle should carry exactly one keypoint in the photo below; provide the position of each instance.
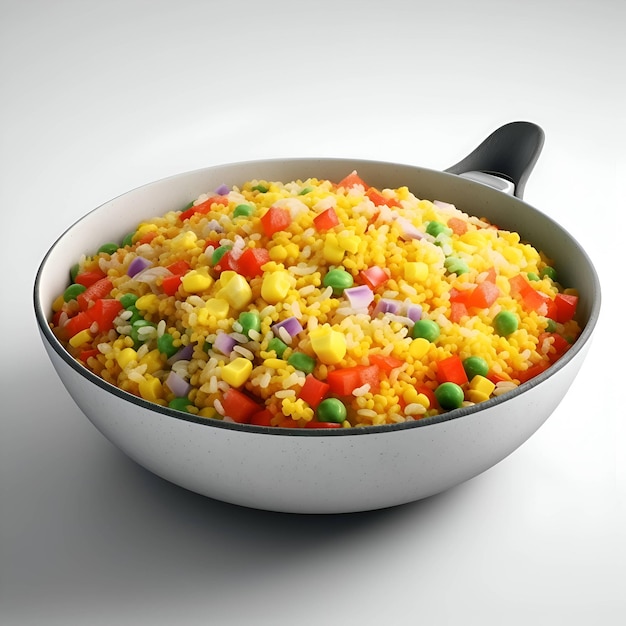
(505, 159)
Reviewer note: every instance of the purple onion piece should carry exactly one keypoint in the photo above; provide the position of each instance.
(224, 343)
(138, 264)
(177, 385)
(386, 306)
(414, 312)
(222, 190)
(360, 297)
(291, 325)
(408, 230)
(184, 354)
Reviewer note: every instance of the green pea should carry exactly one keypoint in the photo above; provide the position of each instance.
(218, 253)
(331, 410)
(475, 366)
(243, 210)
(249, 320)
(74, 271)
(277, 346)
(435, 228)
(73, 291)
(449, 396)
(457, 266)
(548, 271)
(136, 314)
(165, 345)
(532, 276)
(505, 323)
(306, 190)
(206, 346)
(426, 329)
(128, 239)
(108, 248)
(134, 330)
(261, 188)
(180, 404)
(339, 279)
(128, 300)
(302, 362)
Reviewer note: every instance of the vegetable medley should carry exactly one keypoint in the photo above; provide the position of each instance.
(315, 304)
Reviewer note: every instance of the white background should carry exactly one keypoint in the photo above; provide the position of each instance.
(101, 97)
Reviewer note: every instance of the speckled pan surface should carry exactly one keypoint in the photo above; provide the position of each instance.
(314, 471)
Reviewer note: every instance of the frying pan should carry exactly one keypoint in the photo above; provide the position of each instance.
(337, 470)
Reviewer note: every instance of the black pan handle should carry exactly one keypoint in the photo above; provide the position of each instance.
(505, 159)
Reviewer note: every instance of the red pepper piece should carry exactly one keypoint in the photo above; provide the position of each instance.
(203, 207)
(374, 276)
(238, 406)
(313, 391)
(100, 289)
(80, 321)
(249, 264)
(262, 418)
(326, 220)
(378, 199)
(458, 311)
(351, 180)
(565, 307)
(451, 370)
(103, 312)
(457, 225)
(345, 380)
(89, 277)
(385, 363)
(275, 219)
(484, 295)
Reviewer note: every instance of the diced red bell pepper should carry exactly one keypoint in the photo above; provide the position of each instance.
(351, 180)
(262, 418)
(565, 307)
(87, 354)
(203, 207)
(249, 264)
(171, 284)
(532, 300)
(80, 321)
(430, 394)
(104, 311)
(344, 381)
(89, 277)
(385, 363)
(458, 311)
(378, 199)
(451, 370)
(275, 219)
(179, 267)
(146, 237)
(559, 346)
(484, 295)
(374, 277)
(238, 406)
(227, 262)
(96, 291)
(316, 424)
(313, 391)
(457, 225)
(531, 372)
(326, 220)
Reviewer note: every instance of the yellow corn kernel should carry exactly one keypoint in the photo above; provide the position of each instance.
(275, 363)
(413, 396)
(278, 253)
(275, 286)
(237, 372)
(234, 289)
(126, 356)
(151, 388)
(332, 251)
(482, 384)
(292, 250)
(419, 347)
(214, 307)
(415, 271)
(328, 344)
(57, 305)
(153, 360)
(196, 281)
(475, 396)
(350, 243)
(80, 338)
(184, 241)
(208, 412)
(148, 303)
(144, 229)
